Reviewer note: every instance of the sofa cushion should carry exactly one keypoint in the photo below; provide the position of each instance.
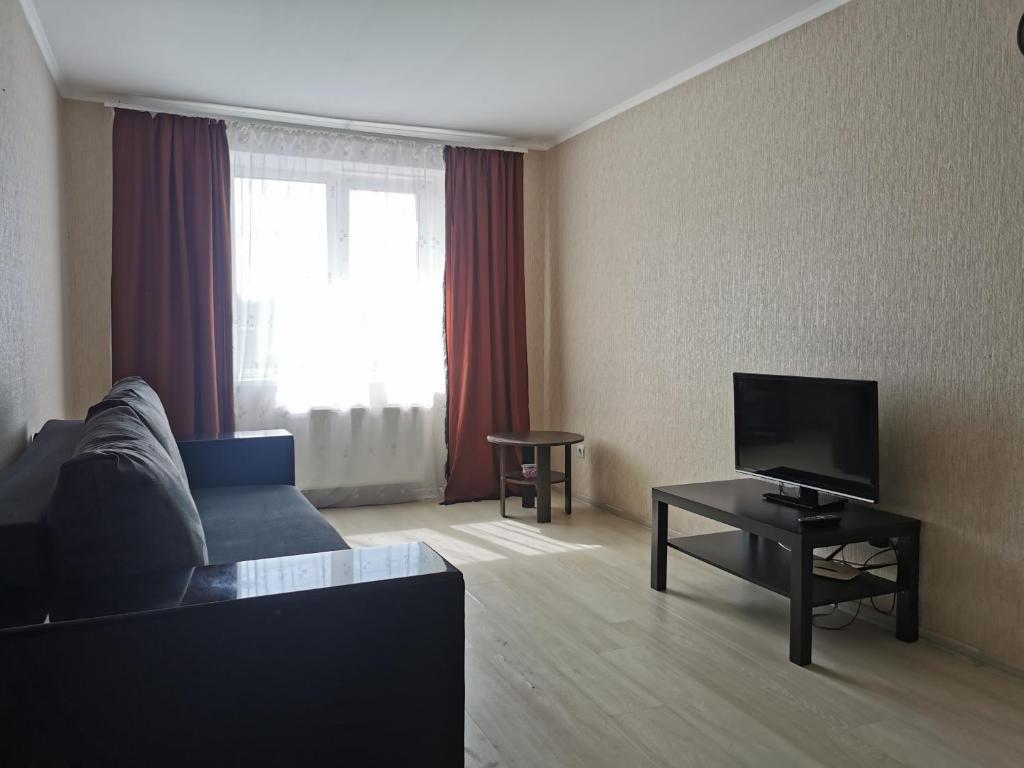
(26, 485)
(249, 522)
(121, 505)
(134, 392)
(25, 489)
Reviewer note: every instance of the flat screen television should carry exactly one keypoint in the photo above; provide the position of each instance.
(818, 434)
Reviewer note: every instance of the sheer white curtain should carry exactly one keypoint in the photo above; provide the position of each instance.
(338, 279)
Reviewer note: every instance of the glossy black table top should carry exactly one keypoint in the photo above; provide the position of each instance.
(241, 581)
(739, 503)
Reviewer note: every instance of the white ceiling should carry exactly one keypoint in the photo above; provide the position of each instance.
(533, 70)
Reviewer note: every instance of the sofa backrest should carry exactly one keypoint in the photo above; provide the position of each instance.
(121, 505)
(27, 486)
(134, 392)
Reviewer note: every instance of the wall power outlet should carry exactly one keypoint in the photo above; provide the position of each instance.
(581, 451)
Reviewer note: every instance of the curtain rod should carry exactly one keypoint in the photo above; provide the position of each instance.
(227, 112)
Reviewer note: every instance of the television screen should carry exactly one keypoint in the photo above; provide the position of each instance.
(816, 433)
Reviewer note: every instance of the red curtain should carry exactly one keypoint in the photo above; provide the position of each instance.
(485, 314)
(171, 272)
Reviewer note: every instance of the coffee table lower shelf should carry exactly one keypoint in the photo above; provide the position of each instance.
(763, 562)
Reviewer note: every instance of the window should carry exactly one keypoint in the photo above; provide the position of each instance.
(338, 271)
(338, 249)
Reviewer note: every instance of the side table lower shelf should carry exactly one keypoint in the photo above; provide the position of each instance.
(516, 478)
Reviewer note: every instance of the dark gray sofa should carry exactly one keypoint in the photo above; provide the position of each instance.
(286, 647)
(247, 520)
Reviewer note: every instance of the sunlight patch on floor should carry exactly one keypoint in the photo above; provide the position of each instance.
(502, 534)
(519, 537)
(455, 550)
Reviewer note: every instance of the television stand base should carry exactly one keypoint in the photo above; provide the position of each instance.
(807, 500)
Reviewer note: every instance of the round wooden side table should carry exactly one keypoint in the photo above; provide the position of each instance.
(539, 443)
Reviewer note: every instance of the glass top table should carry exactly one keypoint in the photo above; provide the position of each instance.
(248, 579)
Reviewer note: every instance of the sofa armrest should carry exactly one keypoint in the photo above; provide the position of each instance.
(347, 657)
(265, 457)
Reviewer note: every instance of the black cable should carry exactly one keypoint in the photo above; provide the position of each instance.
(862, 567)
(835, 552)
(866, 566)
(835, 607)
(888, 611)
(882, 552)
(896, 555)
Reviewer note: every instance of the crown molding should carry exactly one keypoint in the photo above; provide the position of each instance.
(232, 112)
(32, 17)
(426, 133)
(776, 30)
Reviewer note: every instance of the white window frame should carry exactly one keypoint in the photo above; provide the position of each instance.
(339, 186)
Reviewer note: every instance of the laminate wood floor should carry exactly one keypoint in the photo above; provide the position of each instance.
(573, 661)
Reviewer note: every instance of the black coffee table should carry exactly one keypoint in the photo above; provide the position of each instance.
(753, 552)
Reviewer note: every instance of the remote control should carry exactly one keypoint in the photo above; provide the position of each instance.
(820, 518)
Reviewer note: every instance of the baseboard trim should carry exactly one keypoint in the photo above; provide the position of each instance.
(955, 647)
(606, 508)
(976, 655)
(968, 652)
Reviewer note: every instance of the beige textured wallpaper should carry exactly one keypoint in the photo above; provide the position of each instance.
(846, 200)
(33, 382)
(537, 281)
(86, 130)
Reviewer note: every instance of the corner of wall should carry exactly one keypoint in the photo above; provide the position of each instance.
(86, 130)
(536, 267)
